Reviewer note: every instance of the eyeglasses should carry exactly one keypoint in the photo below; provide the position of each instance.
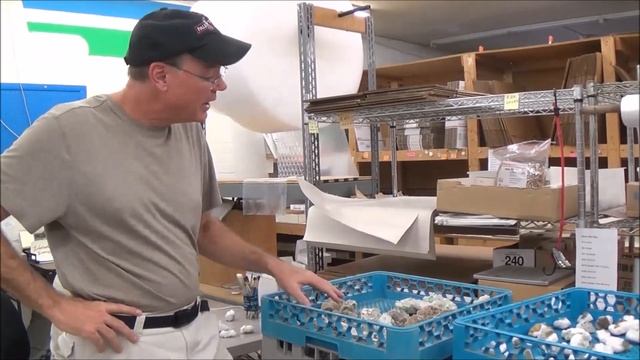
(215, 81)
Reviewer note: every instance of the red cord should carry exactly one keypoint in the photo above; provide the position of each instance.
(559, 138)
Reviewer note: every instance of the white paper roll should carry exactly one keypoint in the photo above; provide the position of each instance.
(237, 153)
(264, 87)
(629, 110)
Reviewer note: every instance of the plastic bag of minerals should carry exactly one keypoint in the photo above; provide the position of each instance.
(523, 165)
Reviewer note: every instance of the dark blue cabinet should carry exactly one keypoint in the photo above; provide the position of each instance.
(22, 104)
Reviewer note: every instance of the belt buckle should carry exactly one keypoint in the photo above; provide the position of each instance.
(183, 317)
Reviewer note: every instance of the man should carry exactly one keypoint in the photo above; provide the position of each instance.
(124, 184)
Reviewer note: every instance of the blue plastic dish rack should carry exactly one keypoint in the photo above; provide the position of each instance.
(490, 335)
(355, 338)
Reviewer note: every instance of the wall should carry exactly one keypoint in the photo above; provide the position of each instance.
(390, 51)
(83, 43)
(69, 43)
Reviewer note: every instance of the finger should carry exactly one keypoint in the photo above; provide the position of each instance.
(97, 341)
(328, 289)
(121, 328)
(338, 294)
(335, 294)
(298, 295)
(113, 308)
(337, 291)
(110, 338)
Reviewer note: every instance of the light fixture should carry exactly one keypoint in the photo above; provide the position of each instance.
(359, 11)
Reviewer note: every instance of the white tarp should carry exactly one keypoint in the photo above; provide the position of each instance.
(397, 226)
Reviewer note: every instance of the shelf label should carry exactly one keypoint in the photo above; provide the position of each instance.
(346, 120)
(597, 258)
(313, 127)
(494, 164)
(514, 257)
(511, 101)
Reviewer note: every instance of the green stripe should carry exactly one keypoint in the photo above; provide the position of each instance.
(102, 42)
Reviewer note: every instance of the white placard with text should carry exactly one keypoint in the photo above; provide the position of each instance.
(597, 258)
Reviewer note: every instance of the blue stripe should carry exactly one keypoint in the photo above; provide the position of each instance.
(123, 9)
(45, 87)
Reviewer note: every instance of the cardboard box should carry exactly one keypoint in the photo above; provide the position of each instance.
(500, 132)
(633, 199)
(478, 196)
(521, 292)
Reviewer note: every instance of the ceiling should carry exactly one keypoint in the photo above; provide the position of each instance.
(459, 26)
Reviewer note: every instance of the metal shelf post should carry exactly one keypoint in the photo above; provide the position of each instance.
(308, 91)
(369, 40)
(577, 99)
(594, 160)
(631, 161)
(394, 158)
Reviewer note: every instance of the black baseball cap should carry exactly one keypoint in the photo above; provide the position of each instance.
(166, 33)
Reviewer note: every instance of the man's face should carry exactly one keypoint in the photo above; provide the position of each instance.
(193, 86)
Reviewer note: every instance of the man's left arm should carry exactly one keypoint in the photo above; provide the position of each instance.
(220, 244)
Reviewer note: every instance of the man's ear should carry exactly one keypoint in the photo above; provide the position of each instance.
(158, 75)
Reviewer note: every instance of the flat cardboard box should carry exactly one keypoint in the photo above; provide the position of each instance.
(478, 196)
(500, 132)
(459, 267)
(521, 292)
(633, 199)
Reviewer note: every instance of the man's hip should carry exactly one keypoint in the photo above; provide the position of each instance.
(186, 333)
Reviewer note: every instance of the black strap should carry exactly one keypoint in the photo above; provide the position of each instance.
(178, 319)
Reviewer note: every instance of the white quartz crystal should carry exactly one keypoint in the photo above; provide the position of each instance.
(227, 333)
(562, 323)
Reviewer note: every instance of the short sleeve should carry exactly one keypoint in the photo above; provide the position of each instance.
(210, 192)
(36, 173)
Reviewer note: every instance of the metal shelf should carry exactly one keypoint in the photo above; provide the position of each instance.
(308, 91)
(625, 227)
(528, 103)
(342, 187)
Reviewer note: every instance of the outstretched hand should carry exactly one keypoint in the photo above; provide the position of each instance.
(291, 278)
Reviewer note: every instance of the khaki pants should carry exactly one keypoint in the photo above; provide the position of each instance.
(198, 340)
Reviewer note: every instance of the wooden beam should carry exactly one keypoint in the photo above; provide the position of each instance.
(473, 135)
(623, 150)
(569, 151)
(607, 44)
(416, 155)
(290, 228)
(329, 18)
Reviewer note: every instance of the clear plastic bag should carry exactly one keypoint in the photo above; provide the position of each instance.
(523, 165)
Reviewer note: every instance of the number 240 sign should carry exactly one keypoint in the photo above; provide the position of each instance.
(514, 257)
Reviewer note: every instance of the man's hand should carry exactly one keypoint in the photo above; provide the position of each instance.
(92, 320)
(291, 278)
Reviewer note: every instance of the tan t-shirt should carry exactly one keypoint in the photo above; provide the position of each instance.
(121, 202)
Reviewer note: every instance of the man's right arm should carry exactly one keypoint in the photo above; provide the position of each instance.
(88, 319)
(22, 282)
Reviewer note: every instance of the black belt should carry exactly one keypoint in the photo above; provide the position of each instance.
(178, 319)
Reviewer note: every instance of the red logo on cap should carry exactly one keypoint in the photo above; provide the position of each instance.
(204, 26)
